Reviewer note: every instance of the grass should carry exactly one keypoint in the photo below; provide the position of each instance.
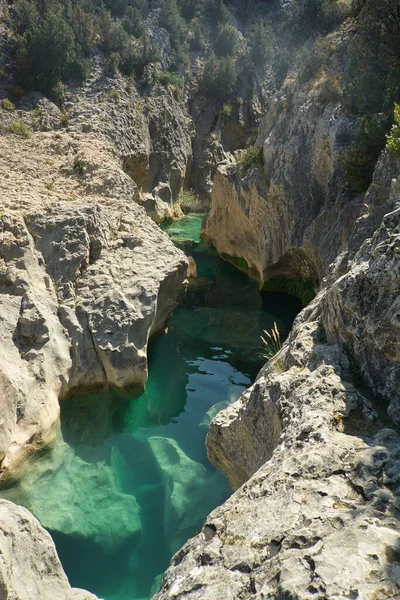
(272, 342)
(20, 129)
(6, 104)
(112, 94)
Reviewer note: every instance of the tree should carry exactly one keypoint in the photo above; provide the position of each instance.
(227, 41)
(261, 42)
(219, 77)
(51, 46)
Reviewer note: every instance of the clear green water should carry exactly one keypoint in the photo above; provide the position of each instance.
(128, 481)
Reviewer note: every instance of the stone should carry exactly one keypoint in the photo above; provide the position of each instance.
(22, 575)
(182, 479)
(83, 289)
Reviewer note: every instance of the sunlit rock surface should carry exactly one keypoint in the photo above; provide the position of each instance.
(22, 573)
(82, 290)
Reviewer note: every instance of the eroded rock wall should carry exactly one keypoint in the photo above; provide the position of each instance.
(83, 288)
(315, 514)
(312, 449)
(294, 215)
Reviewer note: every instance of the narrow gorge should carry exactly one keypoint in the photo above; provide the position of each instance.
(176, 179)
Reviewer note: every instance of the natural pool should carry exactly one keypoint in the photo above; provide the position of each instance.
(128, 480)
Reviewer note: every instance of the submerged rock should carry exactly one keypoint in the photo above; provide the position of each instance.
(182, 480)
(78, 497)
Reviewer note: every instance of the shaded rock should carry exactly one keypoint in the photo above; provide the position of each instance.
(362, 310)
(34, 355)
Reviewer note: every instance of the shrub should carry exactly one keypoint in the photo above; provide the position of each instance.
(171, 79)
(393, 139)
(226, 110)
(252, 158)
(6, 104)
(188, 201)
(197, 40)
(173, 22)
(219, 77)
(227, 41)
(112, 64)
(313, 59)
(133, 22)
(359, 162)
(51, 45)
(78, 166)
(261, 42)
(329, 89)
(58, 93)
(20, 129)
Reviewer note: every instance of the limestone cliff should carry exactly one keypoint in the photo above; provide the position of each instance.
(294, 214)
(312, 448)
(86, 277)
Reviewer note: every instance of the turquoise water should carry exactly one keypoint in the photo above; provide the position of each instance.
(128, 481)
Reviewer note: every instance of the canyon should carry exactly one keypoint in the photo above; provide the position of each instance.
(88, 279)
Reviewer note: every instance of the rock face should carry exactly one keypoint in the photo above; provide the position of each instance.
(83, 288)
(291, 217)
(22, 575)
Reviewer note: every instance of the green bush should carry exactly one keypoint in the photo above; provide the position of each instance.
(171, 79)
(227, 41)
(252, 158)
(226, 110)
(188, 201)
(112, 64)
(20, 129)
(219, 77)
(133, 22)
(6, 104)
(197, 41)
(172, 20)
(359, 162)
(393, 139)
(261, 42)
